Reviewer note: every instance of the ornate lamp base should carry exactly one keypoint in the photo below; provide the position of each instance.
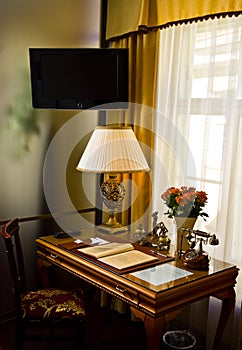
(113, 193)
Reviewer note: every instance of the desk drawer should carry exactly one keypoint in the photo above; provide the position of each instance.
(94, 274)
(120, 290)
(49, 255)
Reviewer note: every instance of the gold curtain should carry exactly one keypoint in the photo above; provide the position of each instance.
(143, 56)
(135, 25)
(125, 16)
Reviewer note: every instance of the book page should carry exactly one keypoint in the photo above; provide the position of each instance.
(128, 259)
(107, 249)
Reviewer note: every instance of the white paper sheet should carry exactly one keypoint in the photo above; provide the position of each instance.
(161, 274)
(98, 241)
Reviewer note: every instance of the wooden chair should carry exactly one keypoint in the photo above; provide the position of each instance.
(41, 314)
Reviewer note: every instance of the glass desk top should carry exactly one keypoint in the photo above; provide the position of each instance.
(157, 278)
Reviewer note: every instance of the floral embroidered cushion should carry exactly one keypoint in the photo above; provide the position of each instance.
(52, 303)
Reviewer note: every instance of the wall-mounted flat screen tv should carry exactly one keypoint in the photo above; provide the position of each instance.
(78, 78)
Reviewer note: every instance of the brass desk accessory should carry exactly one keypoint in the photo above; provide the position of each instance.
(157, 238)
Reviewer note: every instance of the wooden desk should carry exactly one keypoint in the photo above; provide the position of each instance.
(152, 302)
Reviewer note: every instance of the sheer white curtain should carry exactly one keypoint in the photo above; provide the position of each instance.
(199, 128)
(199, 125)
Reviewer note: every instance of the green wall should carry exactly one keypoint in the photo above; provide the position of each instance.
(25, 133)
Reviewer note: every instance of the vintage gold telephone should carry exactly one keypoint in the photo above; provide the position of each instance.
(197, 259)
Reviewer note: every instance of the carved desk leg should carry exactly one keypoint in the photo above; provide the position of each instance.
(228, 302)
(43, 267)
(154, 326)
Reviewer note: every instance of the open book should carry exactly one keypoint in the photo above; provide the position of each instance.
(121, 256)
(99, 251)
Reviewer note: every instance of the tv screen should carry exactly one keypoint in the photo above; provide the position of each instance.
(78, 78)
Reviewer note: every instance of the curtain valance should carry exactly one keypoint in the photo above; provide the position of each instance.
(127, 16)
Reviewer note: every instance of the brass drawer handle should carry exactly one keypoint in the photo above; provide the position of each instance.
(119, 289)
(124, 291)
(53, 256)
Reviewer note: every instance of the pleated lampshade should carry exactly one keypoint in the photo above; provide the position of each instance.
(113, 150)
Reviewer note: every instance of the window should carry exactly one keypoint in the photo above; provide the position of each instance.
(200, 75)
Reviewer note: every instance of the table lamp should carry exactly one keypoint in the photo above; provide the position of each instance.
(113, 150)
